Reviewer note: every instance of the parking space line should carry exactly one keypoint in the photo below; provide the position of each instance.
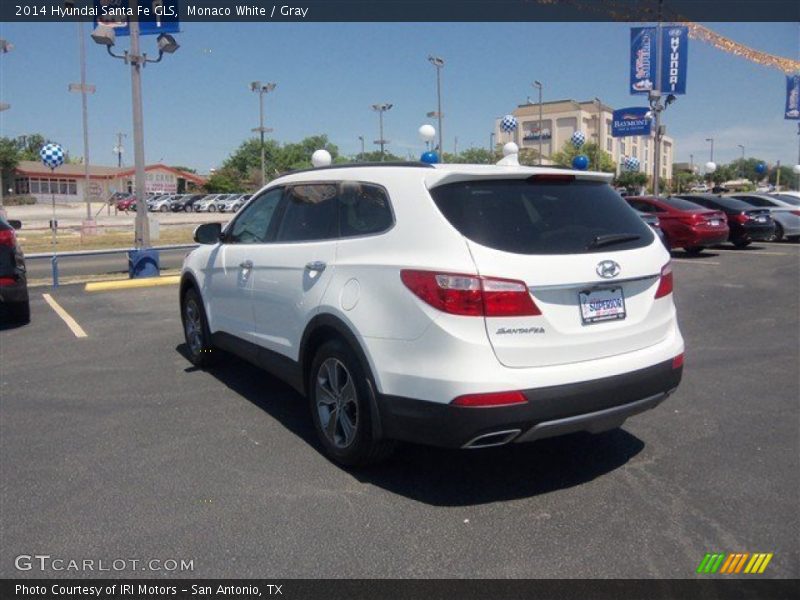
(127, 284)
(750, 252)
(695, 261)
(65, 316)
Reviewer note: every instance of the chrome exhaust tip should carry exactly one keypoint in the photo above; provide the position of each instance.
(495, 438)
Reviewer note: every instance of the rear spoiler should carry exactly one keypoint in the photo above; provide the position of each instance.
(437, 177)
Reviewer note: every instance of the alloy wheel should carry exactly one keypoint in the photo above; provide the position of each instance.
(337, 403)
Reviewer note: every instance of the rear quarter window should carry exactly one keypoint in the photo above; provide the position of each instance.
(540, 217)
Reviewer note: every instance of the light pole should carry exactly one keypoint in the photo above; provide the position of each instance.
(5, 46)
(361, 139)
(118, 149)
(741, 166)
(380, 109)
(84, 89)
(104, 35)
(711, 155)
(438, 63)
(538, 85)
(491, 145)
(261, 89)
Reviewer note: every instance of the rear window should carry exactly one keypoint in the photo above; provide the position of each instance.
(681, 204)
(539, 217)
(733, 203)
(794, 201)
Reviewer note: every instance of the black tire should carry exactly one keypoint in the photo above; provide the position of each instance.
(212, 208)
(741, 243)
(19, 312)
(198, 337)
(778, 235)
(694, 250)
(164, 208)
(358, 448)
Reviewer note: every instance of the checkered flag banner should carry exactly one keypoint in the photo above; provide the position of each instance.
(508, 123)
(630, 163)
(578, 139)
(52, 155)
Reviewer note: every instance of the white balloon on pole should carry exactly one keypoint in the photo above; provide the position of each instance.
(321, 158)
(427, 132)
(796, 169)
(711, 167)
(510, 148)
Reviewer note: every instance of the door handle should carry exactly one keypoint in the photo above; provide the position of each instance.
(316, 265)
(246, 264)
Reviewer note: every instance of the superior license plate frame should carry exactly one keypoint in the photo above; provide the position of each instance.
(609, 292)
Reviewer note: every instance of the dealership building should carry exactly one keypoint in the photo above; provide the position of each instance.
(561, 118)
(67, 182)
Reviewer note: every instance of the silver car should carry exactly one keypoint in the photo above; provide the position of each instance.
(783, 212)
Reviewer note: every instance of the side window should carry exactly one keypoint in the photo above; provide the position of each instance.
(640, 206)
(252, 225)
(363, 209)
(310, 213)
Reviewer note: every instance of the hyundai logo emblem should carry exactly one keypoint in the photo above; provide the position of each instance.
(608, 269)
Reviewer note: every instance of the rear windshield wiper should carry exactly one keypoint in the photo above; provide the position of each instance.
(611, 239)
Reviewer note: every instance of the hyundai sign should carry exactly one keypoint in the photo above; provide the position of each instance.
(675, 53)
(792, 110)
(645, 59)
(630, 122)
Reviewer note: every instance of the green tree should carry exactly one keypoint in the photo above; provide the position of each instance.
(225, 181)
(632, 181)
(787, 176)
(471, 156)
(375, 156)
(599, 160)
(185, 169)
(747, 168)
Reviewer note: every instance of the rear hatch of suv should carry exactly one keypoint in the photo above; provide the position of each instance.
(592, 267)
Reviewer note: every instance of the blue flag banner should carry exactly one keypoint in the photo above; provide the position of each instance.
(675, 58)
(643, 60)
(792, 97)
(154, 16)
(631, 121)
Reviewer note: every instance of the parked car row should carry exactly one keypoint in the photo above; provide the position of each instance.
(696, 221)
(183, 202)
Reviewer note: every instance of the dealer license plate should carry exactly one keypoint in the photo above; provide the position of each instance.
(714, 222)
(605, 304)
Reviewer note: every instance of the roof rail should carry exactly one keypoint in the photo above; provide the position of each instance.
(359, 165)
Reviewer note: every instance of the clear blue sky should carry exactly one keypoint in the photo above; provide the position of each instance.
(198, 107)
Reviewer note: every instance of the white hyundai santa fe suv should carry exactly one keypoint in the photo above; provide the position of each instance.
(456, 305)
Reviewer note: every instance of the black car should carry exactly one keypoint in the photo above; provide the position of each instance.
(184, 202)
(14, 305)
(746, 224)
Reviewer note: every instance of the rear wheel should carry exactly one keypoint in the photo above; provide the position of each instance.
(339, 392)
(19, 312)
(694, 250)
(778, 235)
(212, 208)
(195, 330)
(164, 208)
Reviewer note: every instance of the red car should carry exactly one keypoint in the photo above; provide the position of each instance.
(685, 224)
(126, 204)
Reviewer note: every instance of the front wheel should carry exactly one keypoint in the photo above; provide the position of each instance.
(195, 329)
(778, 235)
(164, 208)
(339, 393)
(212, 208)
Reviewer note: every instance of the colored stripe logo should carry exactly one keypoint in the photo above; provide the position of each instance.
(733, 563)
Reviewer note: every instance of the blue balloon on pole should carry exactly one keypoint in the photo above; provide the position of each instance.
(761, 168)
(580, 162)
(429, 157)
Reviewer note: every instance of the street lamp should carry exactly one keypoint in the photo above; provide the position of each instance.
(261, 89)
(439, 63)
(5, 47)
(538, 85)
(380, 109)
(104, 35)
(361, 139)
(711, 156)
(741, 167)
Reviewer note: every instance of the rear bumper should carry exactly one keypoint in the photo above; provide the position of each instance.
(595, 405)
(707, 238)
(17, 292)
(753, 232)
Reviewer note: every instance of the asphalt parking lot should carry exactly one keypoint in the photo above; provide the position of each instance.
(114, 446)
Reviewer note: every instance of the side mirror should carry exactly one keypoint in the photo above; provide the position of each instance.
(208, 233)
(15, 223)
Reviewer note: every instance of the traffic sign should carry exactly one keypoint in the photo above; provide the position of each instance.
(154, 16)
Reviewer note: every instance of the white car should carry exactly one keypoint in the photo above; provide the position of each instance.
(207, 204)
(161, 203)
(462, 306)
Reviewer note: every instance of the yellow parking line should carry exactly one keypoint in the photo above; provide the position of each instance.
(127, 284)
(65, 316)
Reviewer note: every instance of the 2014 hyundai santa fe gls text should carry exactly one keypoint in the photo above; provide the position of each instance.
(454, 305)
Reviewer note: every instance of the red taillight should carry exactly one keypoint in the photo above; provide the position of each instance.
(470, 295)
(8, 238)
(677, 362)
(665, 281)
(795, 212)
(493, 399)
(7, 281)
(741, 217)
